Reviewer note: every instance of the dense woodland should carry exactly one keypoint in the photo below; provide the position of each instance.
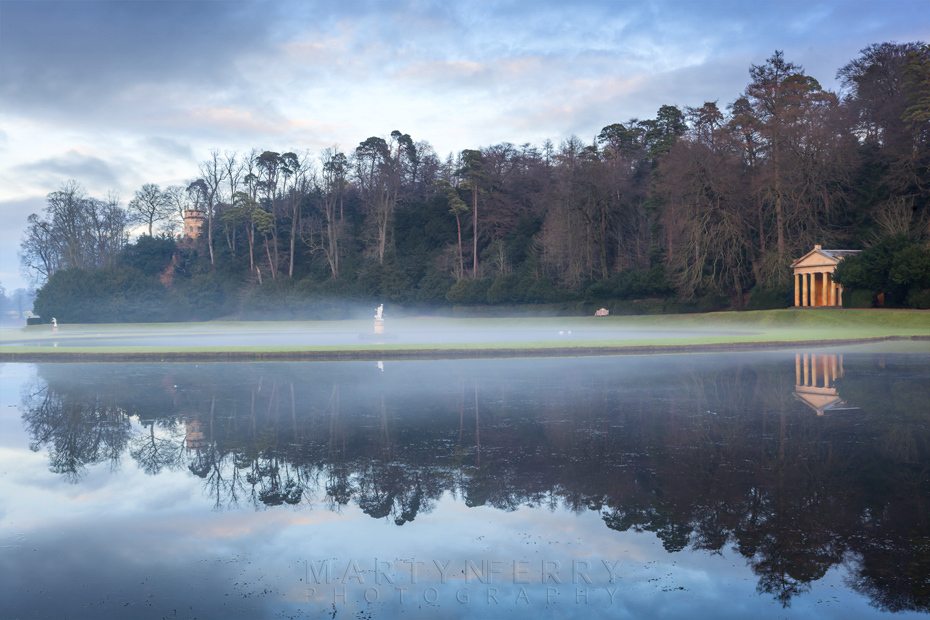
(700, 208)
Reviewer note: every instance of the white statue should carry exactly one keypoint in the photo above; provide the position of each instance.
(54, 322)
(378, 312)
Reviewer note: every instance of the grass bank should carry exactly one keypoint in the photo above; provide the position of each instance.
(499, 337)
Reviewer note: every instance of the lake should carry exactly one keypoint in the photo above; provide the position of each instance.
(769, 485)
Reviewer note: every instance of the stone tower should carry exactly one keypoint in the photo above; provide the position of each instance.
(193, 223)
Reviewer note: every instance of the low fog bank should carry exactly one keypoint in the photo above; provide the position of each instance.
(418, 331)
(423, 331)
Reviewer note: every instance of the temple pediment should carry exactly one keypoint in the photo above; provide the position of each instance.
(816, 258)
(820, 401)
(822, 258)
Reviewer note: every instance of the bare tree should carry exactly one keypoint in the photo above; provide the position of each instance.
(108, 222)
(583, 204)
(150, 205)
(457, 207)
(212, 172)
(294, 170)
(77, 231)
(704, 197)
(378, 170)
(324, 232)
(270, 170)
(21, 299)
(179, 201)
(39, 253)
(233, 169)
(473, 172)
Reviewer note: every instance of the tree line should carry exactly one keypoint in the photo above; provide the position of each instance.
(698, 208)
(14, 304)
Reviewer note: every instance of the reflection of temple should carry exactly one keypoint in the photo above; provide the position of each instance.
(814, 377)
(813, 277)
(195, 438)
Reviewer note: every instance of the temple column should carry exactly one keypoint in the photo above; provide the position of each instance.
(797, 289)
(839, 296)
(832, 289)
(805, 300)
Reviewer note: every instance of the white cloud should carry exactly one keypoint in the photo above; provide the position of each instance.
(69, 165)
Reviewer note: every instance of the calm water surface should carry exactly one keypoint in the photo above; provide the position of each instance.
(778, 485)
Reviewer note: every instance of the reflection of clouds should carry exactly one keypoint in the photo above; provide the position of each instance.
(240, 523)
(566, 445)
(185, 555)
(108, 568)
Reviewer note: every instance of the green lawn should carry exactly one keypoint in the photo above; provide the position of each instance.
(679, 332)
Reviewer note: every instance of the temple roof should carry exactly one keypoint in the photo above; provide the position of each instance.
(830, 257)
(839, 254)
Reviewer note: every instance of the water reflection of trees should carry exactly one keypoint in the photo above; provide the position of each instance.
(705, 455)
(81, 430)
(160, 446)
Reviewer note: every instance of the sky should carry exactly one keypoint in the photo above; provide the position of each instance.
(118, 94)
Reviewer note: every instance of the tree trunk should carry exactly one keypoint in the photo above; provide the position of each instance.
(739, 291)
(382, 233)
(294, 221)
(474, 196)
(210, 228)
(779, 212)
(458, 222)
(333, 249)
(603, 242)
(761, 224)
(270, 263)
(250, 235)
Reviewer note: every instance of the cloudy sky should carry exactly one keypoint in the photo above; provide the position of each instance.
(117, 94)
